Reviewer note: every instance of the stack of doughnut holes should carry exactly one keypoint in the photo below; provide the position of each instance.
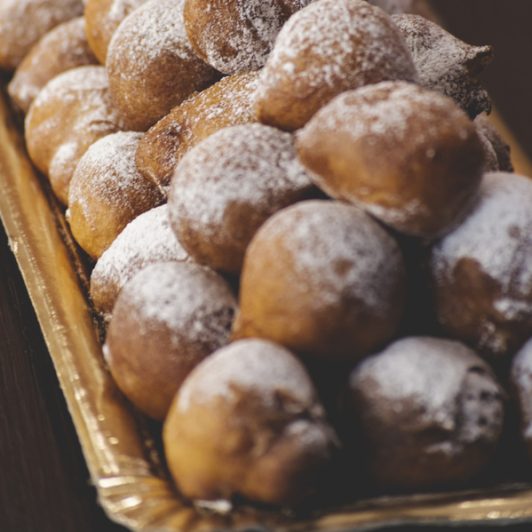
(311, 253)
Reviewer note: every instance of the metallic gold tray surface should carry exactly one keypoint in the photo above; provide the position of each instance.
(123, 458)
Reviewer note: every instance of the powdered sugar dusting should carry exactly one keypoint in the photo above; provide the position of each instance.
(151, 65)
(226, 103)
(107, 192)
(233, 106)
(146, 240)
(522, 381)
(152, 30)
(386, 114)
(250, 165)
(395, 6)
(82, 114)
(334, 45)
(109, 165)
(497, 235)
(104, 19)
(24, 22)
(68, 46)
(442, 381)
(191, 301)
(248, 366)
(244, 41)
(339, 250)
(119, 9)
(387, 109)
(445, 63)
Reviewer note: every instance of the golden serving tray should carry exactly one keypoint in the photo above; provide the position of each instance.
(123, 460)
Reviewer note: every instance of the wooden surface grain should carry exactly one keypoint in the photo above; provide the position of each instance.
(44, 484)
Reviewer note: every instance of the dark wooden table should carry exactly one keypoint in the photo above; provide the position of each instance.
(44, 483)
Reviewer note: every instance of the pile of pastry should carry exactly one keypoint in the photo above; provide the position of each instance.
(311, 249)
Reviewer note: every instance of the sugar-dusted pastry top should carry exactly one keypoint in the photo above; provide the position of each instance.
(482, 270)
(146, 240)
(72, 112)
(61, 49)
(24, 22)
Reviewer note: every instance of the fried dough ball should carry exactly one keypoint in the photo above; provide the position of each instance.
(226, 103)
(72, 112)
(148, 239)
(151, 65)
(61, 49)
(521, 381)
(324, 280)
(247, 422)
(234, 35)
(102, 19)
(409, 156)
(167, 319)
(107, 192)
(482, 270)
(447, 64)
(427, 412)
(226, 187)
(24, 22)
(323, 50)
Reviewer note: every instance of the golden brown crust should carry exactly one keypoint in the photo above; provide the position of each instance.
(72, 112)
(247, 422)
(409, 156)
(521, 385)
(312, 283)
(107, 192)
(148, 239)
(227, 186)
(61, 49)
(24, 22)
(166, 320)
(323, 50)
(151, 65)
(102, 19)
(482, 270)
(235, 36)
(446, 64)
(426, 413)
(226, 103)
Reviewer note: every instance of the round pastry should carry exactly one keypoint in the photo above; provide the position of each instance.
(427, 412)
(167, 318)
(226, 187)
(72, 112)
(323, 279)
(500, 147)
(247, 422)
(226, 103)
(357, 151)
(148, 239)
(151, 65)
(235, 36)
(107, 192)
(24, 22)
(102, 19)
(327, 48)
(521, 379)
(61, 49)
(482, 271)
(447, 64)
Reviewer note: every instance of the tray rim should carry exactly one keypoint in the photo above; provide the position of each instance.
(43, 260)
